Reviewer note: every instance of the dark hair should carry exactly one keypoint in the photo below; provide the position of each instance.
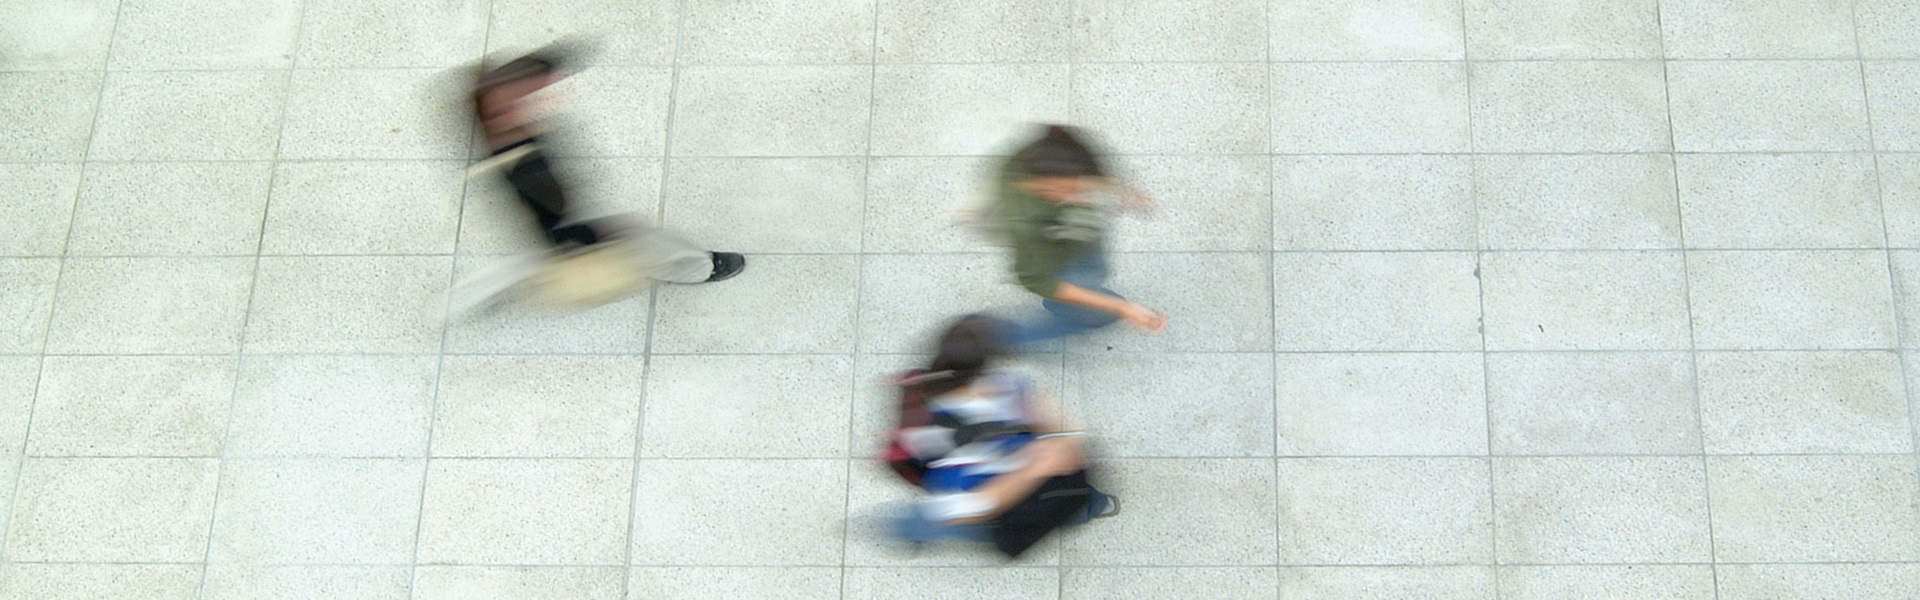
(966, 349)
(1060, 152)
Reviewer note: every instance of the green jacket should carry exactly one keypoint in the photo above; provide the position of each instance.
(1045, 235)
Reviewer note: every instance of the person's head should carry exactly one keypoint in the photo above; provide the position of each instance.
(965, 351)
(1058, 166)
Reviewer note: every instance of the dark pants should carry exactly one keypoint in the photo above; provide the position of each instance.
(540, 190)
(914, 527)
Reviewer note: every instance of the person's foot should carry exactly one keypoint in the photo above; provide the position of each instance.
(1112, 508)
(726, 265)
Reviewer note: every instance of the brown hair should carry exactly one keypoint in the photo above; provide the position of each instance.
(967, 347)
(1060, 152)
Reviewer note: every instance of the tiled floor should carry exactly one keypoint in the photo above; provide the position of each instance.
(1470, 298)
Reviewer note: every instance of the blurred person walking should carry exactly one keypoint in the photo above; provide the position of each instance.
(996, 458)
(1047, 206)
(588, 261)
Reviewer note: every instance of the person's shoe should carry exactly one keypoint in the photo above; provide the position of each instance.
(726, 265)
(1112, 509)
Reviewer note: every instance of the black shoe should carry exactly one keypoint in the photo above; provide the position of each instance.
(726, 265)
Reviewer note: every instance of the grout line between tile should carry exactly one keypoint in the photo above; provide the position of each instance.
(854, 383)
(53, 301)
(1900, 318)
(1480, 282)
(653, 304)
(1686, 282)
(253, 288)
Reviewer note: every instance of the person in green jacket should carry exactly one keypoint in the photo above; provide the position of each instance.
(1046, 208)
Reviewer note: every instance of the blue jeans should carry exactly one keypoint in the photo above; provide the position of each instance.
(914, 527)
(1089, 270)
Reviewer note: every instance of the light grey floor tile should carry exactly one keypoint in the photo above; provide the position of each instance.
(331, 511)
(1579, 202)
(1370, 107)
(797, 583)
(517, 583)
(1214, 512)
(1855, 582)
(1758, 29)
(145, 209)
(334, 406)
(1585, 300)
(1376, 301)
(914, 203)
(1779, 201)
(224, 34)
(52, 114)
(1380, 404)
(1567, 30)
(112, 509)
(373, 33)
(772, 111)
(1600, 510)
(786, 406)
(348, 304)
(246, 582)
(1409, 583)
(697, 512)
(75, 581)
(781, 303)
(203, 115)
(493, 219)
(906, 300)
(1803, 402)
(1171, 405)
(1567, 106)
(1766, 106)
(1900, 198)
(528, 326)
(618, 32)
(69, 35)
(1814, 508)
(376, 114)
(1169, 582)
(132, 406)
(875, 495)
(612, 111)
(780, 32)
(538, 406)
(363, 208)
(1211, 300)
(518, 512)
(19, 378)
(755, 205)
(1893, 101)
(963, 108)
(1204, 204)
(151, 305)
(1592, 403)
(1371, 30)
(1133, 107)
(1886, 28)
(1373, 203)
(1652, 582)
(1170, 30)
(952, 584)
(1790, 300)
(1372, 511)
(998, 31)
(34, 220)
(26, 305)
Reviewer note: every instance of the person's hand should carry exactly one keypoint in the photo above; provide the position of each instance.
(1145, 319)
(1053, 457)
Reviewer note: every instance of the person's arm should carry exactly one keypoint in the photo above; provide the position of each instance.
(1046, 459)
(1132, 198)
(1146, 319)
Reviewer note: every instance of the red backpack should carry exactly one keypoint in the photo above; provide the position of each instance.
(913, 413)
